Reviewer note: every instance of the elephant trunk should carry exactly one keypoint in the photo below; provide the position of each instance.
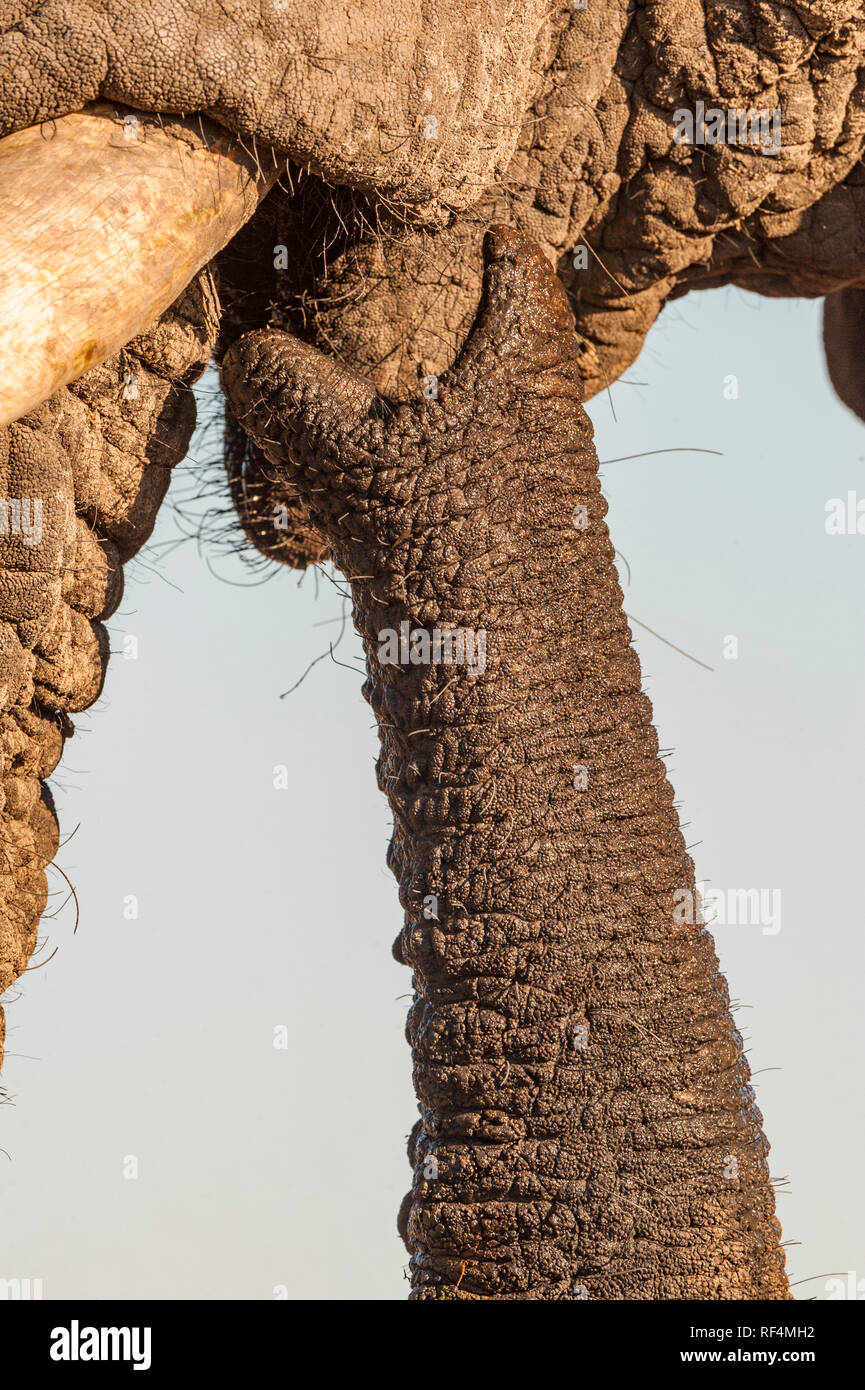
(587, 1125)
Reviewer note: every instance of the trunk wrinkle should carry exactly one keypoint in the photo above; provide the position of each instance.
(588, 1128)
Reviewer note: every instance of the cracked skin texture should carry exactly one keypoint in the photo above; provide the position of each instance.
(559, 123)
(594, 163)
(581, 1085)
(342, 89)
(554, 120)
(100, 461)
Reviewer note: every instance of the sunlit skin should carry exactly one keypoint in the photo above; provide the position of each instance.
(305, 192)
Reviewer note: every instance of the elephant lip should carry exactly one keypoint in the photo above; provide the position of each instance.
(107, 216)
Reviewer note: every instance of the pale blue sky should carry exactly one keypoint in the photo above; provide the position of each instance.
(259, 908)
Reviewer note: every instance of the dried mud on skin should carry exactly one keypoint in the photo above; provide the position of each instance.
(601, 1165)
(97, 459)
(593, 164)
(581, 1085)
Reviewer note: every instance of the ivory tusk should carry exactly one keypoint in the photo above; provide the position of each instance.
(105, 216)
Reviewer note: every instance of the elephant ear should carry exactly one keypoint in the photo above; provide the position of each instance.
(843, 341)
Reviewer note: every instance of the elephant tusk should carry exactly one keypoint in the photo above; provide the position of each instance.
(106, 216)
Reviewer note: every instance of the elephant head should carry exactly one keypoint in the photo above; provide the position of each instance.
(307, 191)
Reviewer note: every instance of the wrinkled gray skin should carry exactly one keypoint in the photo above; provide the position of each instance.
(559, 121)
(599, 1171)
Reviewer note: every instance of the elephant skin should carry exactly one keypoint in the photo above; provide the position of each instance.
(581, 1085)
(633, 1166)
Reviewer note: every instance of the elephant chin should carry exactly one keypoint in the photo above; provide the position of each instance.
(107, 216)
